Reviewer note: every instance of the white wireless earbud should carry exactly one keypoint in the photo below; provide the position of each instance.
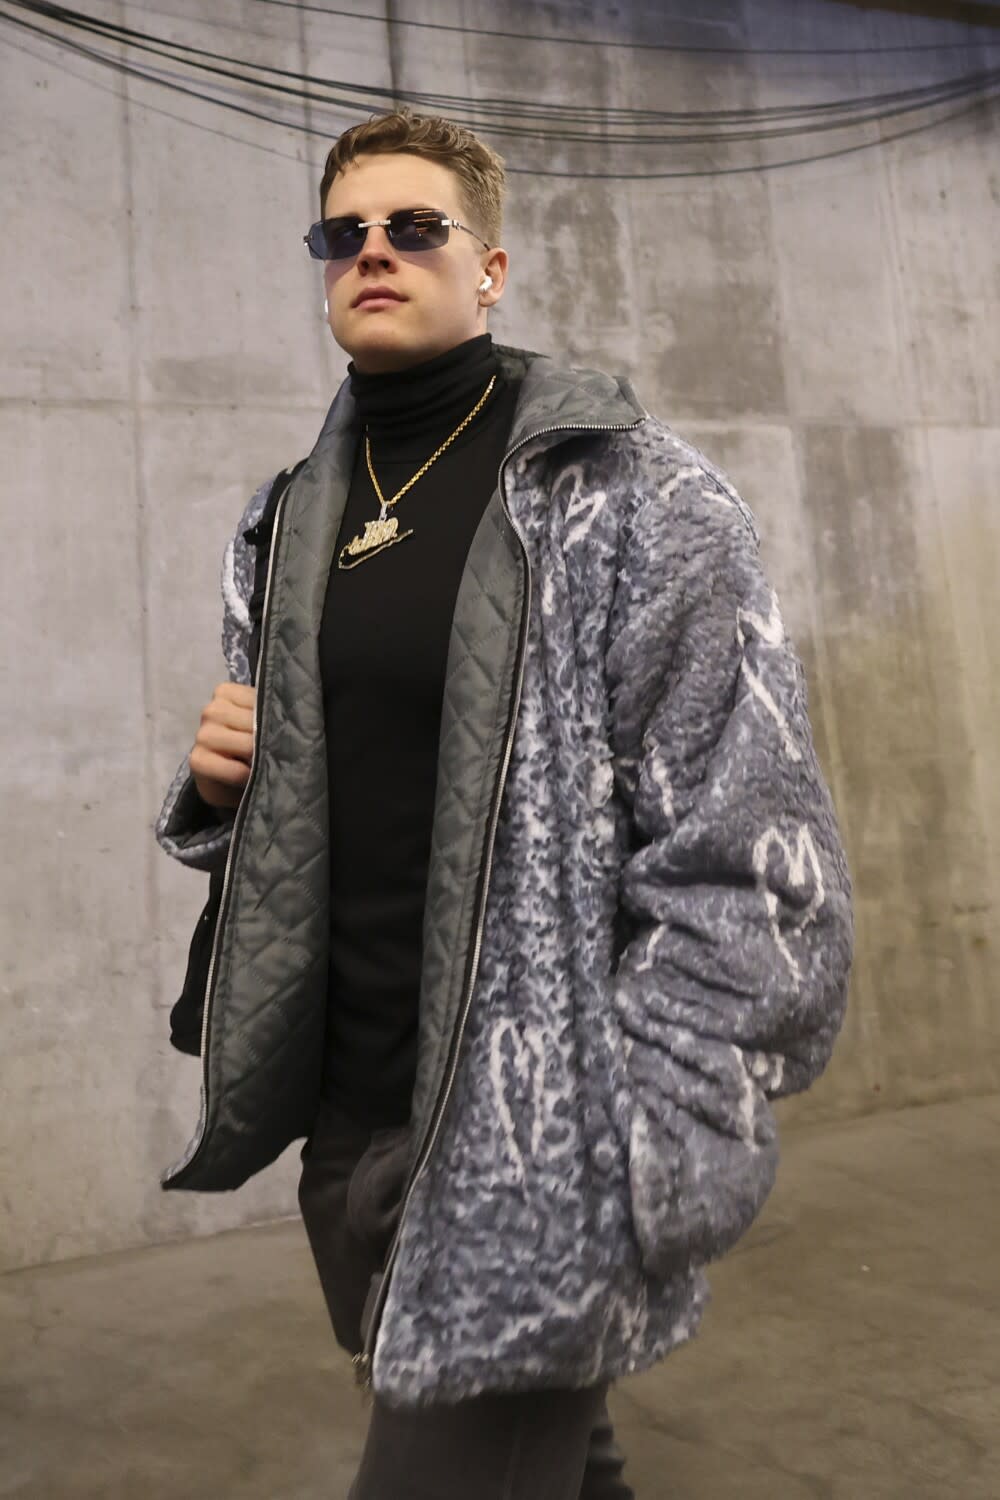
(326, 307)
(485, 284)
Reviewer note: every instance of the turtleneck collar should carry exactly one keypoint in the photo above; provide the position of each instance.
(435, 394)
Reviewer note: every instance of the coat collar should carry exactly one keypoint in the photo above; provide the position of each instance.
(556, 395)
(553, 395)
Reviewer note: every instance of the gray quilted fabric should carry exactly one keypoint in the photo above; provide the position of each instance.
(668, 935)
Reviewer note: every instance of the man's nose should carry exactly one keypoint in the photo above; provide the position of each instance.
(376, 249)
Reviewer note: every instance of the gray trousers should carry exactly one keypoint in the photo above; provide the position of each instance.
(528, 1445)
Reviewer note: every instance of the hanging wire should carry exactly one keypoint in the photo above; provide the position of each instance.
(865, 108)
(44, 56)
(582, 41)
(973, 84)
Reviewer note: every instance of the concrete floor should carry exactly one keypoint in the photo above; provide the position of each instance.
(851, 1350)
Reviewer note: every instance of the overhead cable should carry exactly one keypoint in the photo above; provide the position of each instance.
(605, 43)
(857, 110)
(973, 84)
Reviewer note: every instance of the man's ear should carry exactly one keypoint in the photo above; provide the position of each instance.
(496, 269)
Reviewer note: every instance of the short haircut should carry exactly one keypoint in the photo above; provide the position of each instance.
(478, 168)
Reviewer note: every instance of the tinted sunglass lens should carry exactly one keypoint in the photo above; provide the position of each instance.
(329, 240)
(342, 239)
(415, 230)
(409, 229)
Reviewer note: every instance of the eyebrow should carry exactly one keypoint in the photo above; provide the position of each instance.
(352, 213)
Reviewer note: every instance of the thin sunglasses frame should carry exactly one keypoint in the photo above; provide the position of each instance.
(367, 224)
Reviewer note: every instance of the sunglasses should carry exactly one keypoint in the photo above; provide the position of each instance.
(407, 229)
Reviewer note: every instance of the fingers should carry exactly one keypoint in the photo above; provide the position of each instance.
(229, 713)
(223, 749)
(236, 692)
(225, 739)
(211, 769)
(226, 733)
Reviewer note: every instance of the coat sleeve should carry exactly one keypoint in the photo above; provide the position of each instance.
(187, 827)
(732, 986)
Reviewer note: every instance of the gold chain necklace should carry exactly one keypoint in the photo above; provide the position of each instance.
(384, 533)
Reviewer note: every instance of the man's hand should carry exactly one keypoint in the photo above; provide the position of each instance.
(223, 748)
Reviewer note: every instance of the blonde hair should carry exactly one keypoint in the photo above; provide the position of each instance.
(478, 168)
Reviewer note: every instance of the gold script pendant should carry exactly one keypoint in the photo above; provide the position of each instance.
(378, 535)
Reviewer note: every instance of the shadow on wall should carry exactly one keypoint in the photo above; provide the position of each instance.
(965, 12)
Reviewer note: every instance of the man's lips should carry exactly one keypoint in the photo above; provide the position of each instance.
(378, 298)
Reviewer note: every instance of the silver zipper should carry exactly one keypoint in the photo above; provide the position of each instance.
(199, 1135)
(364, 1360)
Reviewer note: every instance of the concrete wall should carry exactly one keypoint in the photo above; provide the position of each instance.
(827, 332)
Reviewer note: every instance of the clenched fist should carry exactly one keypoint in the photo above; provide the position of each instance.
(223, 747)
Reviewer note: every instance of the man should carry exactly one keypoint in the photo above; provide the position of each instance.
(534, 896)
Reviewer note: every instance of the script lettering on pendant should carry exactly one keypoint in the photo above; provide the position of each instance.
(379, 534)
(376, 534)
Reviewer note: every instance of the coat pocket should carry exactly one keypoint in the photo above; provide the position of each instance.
(702, 1151)
(375, 1191)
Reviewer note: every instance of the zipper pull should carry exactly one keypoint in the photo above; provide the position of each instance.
(363, 1375)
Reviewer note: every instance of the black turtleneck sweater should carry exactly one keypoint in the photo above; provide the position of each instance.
(383, 648)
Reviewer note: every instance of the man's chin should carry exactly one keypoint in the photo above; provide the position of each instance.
(388, 350)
